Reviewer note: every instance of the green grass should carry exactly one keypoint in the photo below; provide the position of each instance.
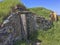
(41, 11)
(20, 43)
(5, 7)
(50, 37)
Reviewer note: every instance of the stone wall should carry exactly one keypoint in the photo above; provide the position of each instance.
(20, 26)
(43, 23)
(6, 36)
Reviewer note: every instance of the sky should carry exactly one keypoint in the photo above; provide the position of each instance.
(49, 4)
(0, 0)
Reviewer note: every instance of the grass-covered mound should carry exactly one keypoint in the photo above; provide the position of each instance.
(41, 11)
(51, 36)
(5, 7)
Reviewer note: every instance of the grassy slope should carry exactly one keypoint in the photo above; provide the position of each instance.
(52, 36)
(5, 7)
(41, 11)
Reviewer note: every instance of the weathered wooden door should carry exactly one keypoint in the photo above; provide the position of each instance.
(23, 26)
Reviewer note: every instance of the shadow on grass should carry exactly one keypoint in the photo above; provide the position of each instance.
(18, 42)
(34, 35)
(32, 38)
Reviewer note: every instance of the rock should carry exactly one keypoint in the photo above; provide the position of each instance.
(43, 23)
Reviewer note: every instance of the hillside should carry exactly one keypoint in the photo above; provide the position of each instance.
(49, 37)
(5, 7)
(41, 11)
(52, 36)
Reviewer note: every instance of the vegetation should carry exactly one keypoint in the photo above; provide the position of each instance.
(5, 7)
(41, 11)
(50, 37)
